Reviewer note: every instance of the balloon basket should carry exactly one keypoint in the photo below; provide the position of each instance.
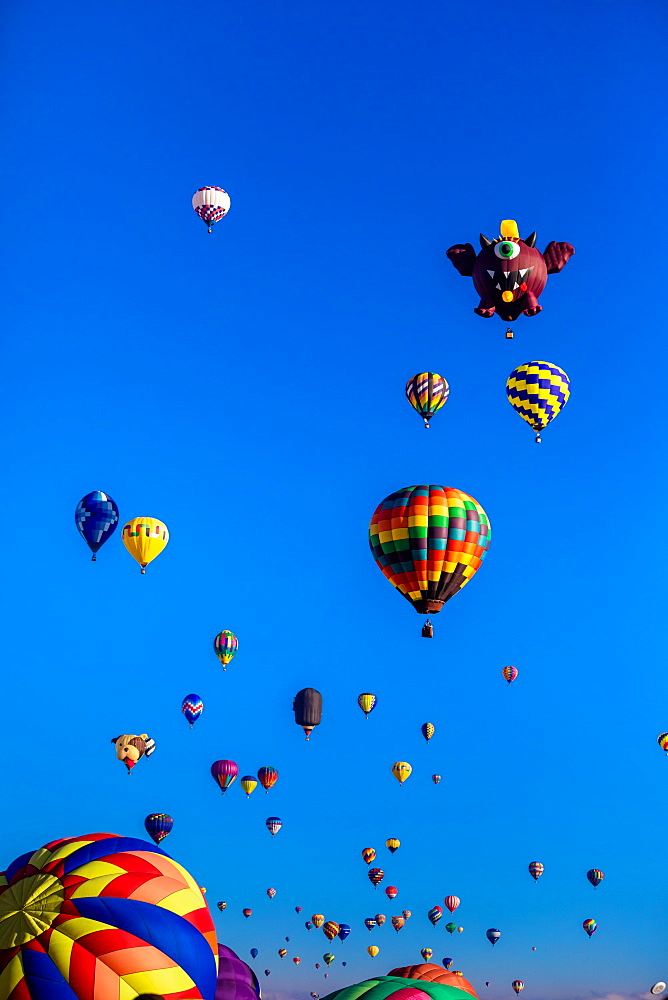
(428, 631)
(509, 334)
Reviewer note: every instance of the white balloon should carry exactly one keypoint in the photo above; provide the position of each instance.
(657, 988)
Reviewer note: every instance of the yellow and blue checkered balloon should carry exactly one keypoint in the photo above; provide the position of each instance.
(538, 391)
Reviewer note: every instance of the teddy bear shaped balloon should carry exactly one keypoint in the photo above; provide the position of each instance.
(509, 273)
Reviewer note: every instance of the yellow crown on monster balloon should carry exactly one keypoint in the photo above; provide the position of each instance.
(508, 230)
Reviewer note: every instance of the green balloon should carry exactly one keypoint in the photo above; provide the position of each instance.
(451, 928)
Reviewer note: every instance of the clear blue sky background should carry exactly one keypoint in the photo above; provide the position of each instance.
(247, 387)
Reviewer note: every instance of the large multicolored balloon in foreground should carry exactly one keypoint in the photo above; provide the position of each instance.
(145, 538)
(103, 915)
(428, 541)
(538, 391)
(427, 392)
(399, 988)
(432, 973)
(96, 517)
(211, 204)
(509, 273)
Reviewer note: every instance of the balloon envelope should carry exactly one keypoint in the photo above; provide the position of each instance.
(224, 773)
(145, 538)
(211, 204)
(225, 646)
(307, 706)
(96, 517)
(427, 392)
(367, 702)
(158, 826)
(493, 935)
(538, 391)
(192, 707)
(156, 925)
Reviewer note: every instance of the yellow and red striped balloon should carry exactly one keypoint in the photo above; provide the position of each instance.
(102, 916)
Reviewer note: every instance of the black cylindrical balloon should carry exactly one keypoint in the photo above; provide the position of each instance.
(307, 707)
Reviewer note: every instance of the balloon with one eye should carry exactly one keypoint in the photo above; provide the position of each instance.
(509, 273)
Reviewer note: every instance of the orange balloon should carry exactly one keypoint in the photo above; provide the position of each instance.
(434, 974)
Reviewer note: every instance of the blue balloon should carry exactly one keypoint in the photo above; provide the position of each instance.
(254, 952)
(344, 963)
(308, 925)
(344, 931)
(447, 962)
(493, 935)
(96, 518)
(192, 707)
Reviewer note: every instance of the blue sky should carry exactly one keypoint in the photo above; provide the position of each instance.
(247, 387)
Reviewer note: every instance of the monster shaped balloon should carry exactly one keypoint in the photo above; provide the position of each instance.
(509, 273)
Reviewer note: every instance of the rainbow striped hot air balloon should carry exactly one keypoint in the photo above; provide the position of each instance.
(376, 876)
(589, 926)
(225, 646)
(595, 876)
(536, 869)
(192, 707)
(224, 773)
(517, 985)
(426, 954)
(267, 776)
(538, 391)
(510, 673)
(427, 392)
(103, 915)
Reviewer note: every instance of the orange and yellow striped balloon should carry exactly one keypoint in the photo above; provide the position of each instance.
(99, 917)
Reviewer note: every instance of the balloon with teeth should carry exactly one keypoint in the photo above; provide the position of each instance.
(509, 273)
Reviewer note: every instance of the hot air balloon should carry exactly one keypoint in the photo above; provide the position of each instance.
(589, 926)
(249, 784)
(657, 989)
(373, 950)
(318, 920)
(493, 935)
(236, 980)
(429, 541)
(426, 953)
(595, 876)
(247, 913)
(224, 773)
(96, 517)
(192, 707)
(145, 538)
(330, 930)
(427, 392)
(344, 931)
(308, 925)
(222, 905)
(375, 876)
(367, 702)
(392, 844)
(662, 740)
(368, 855)
(211, 204)
(273, 824)
(401, 770)
(317, 965)
(267, 972)
(509, 273)
(307, 706)
(370, 923)
(436, 778)
(158, 826)
(169, 952)
(447, 963)
(538, 391)
(451, 928)
(435, 914)
(536, 869)
(131, 747)
(432, 979)
(267, 776)
(271, 893)
(398, 923)
(428, 730)
(254, 952)
(225, 646)
(296, 960)
(287, 939)
(459, 930)
(510, 673)
(380, 919)
(391, 891)
(298, 909)
(518, 985)
(407, 914)
(328, 958)
(282, 952)
(452, 902)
